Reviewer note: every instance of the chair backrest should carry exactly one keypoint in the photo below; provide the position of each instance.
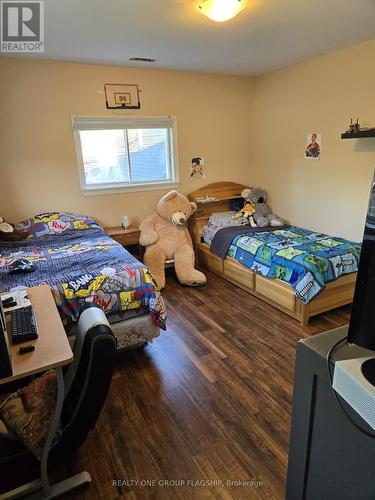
(87, 380)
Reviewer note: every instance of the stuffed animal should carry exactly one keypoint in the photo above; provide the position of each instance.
(165, 236)
(263, 215)
(8, 233)
(246, 213)
(5, 227)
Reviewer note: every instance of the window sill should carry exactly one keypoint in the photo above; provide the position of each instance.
(95, 191)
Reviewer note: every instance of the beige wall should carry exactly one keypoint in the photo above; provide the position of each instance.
(37, 156)
(249, 130)
(318, 95)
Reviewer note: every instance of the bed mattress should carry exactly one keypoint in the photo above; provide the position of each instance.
(130, 333)
(74, 256)
(307, 260)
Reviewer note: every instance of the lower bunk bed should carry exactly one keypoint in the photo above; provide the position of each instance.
(251, 277)
(74, 256)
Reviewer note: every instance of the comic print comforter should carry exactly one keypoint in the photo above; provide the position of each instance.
(74, 256)
(304, 259)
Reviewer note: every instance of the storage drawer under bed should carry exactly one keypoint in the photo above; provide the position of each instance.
(238, 273)
(276, 291)
(207, 259)
(270, 290)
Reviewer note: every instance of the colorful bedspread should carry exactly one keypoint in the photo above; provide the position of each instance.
(74, 256)
(304, 259)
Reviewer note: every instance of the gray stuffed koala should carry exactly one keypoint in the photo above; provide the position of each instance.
(263, 215)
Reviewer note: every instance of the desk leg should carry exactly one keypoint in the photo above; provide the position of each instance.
(50, 491)
(52, 431)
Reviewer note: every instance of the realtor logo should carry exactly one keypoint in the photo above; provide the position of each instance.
(22, 26)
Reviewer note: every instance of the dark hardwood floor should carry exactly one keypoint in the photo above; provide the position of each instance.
(203, 411)
(208, 402)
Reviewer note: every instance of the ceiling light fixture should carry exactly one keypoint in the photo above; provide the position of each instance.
(221, 10)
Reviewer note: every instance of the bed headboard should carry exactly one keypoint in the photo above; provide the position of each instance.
(212, 198)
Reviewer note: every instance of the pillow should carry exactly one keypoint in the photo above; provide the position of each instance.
(223, 219)
(53, 223)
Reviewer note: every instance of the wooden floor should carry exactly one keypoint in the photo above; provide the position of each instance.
(208, 402)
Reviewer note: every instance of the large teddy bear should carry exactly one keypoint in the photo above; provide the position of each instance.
(263, 215)
(165, 236)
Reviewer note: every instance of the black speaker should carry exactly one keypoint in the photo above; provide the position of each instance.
(5, 358)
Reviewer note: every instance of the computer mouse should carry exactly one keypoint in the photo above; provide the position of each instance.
(21, 266)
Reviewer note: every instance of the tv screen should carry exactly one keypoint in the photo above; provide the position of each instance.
(362, 321)
(5, 357)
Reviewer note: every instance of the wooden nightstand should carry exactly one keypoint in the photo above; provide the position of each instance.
(127, 238)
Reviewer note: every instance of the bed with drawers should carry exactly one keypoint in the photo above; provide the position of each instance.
(300, 272)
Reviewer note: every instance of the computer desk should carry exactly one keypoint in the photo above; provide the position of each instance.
(52, 351)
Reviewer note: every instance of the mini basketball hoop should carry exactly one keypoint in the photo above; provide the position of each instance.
(122, 96)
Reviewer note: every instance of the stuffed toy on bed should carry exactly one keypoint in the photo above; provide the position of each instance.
(246, 212)
(165, 236)
(263, 215)
(8, 233)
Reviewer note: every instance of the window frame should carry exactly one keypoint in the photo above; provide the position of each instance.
(80, 122)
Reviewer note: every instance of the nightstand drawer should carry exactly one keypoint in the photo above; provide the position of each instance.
(127, 239)
(123, 236)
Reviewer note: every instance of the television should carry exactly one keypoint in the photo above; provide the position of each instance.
(5, 355)
(362, 321)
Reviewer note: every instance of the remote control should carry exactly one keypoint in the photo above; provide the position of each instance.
(26, 349)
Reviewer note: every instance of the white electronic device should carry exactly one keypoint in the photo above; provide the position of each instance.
(353, 380)
(125, 222)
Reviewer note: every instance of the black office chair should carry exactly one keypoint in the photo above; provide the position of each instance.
(86, 382)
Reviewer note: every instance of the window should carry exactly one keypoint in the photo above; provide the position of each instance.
(116, 154)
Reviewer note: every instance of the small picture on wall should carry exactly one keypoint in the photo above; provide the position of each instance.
(313, 146)
(197, 168)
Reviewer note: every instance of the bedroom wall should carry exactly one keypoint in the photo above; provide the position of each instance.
(249, 130)
(37, 156)
(319, 95)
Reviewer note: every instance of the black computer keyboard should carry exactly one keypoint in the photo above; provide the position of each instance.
(23, 325)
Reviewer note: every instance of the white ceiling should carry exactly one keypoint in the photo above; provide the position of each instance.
(267, 35)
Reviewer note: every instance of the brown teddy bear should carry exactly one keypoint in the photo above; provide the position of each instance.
(8, 233)
(165, 236)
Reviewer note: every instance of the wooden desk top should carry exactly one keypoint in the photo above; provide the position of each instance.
(52, 348)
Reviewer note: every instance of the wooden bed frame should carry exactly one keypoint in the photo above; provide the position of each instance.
(273, 291)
